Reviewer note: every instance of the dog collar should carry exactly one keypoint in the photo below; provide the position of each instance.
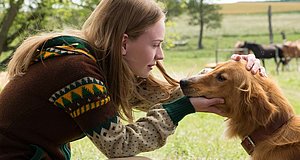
(261, 133)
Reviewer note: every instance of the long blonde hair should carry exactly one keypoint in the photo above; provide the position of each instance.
(104, 30)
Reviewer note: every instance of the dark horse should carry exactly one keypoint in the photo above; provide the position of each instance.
(263, 52)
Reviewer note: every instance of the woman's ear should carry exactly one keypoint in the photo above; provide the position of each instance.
(124, 42)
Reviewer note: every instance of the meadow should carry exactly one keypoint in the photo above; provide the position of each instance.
(250, 8)
(200, 136)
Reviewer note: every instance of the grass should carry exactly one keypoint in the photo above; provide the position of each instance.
(251, 8)
(240, 26)
(200, 136)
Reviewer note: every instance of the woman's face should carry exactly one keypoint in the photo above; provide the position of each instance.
(142, 53)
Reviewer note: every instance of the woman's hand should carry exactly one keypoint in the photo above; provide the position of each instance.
(202, 104)
(253, 64)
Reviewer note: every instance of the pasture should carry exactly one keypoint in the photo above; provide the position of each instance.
(250, 8)
(200, 136)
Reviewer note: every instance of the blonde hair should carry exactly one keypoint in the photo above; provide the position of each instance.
(104, 30)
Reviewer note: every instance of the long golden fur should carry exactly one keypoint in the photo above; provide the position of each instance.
(251, 101)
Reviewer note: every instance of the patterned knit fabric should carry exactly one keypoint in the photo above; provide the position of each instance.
(72, 97)
(73, 48)
(63, 98)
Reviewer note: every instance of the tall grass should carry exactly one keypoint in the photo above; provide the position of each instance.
(242, 25)
(251, 8)
(200, 136)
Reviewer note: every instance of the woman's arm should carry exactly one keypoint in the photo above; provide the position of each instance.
(146, 134)
(152, 95)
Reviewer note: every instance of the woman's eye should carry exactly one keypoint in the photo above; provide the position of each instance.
(156, 45)
(221, 78)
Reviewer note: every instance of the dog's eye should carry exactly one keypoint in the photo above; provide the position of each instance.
(221, 78)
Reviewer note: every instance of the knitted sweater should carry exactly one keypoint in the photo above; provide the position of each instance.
(62, 98)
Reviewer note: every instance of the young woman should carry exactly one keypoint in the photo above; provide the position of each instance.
(65, 86)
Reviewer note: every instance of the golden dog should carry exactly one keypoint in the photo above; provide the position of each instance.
(257, 111)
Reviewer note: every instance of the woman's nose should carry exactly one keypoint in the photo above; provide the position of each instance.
(159, 54)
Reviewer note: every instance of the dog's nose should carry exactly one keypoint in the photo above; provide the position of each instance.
(183, 83)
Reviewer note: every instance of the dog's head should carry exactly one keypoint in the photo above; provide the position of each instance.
(246, 96)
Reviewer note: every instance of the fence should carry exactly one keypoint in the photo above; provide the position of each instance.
(231, 50)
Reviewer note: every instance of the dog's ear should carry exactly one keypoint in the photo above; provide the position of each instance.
(256, 100)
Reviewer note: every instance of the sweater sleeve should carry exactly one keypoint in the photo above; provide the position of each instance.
(146, 134)
(153, 95)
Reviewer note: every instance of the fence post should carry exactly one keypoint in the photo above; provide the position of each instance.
(217, 48)
(270, 24)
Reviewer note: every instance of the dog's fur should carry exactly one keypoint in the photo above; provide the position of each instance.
(251, 101)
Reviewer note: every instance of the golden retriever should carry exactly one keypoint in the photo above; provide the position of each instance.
(257, 111)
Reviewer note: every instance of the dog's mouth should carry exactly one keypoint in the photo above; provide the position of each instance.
(192, 92)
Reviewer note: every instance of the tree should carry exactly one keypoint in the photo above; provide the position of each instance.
(204, 15)
(8, 18)
(19, 19)
(173, 8)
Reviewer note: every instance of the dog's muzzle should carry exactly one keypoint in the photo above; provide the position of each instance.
(186, 88)
(184, 83)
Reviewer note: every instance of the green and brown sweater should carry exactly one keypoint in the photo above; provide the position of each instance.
(62, 98)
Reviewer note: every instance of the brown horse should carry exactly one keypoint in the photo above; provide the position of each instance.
(291, 50)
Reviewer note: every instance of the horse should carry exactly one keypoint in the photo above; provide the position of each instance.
(291, 50)
(263, 52)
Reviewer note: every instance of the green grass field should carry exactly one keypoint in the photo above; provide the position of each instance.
(200, 136)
